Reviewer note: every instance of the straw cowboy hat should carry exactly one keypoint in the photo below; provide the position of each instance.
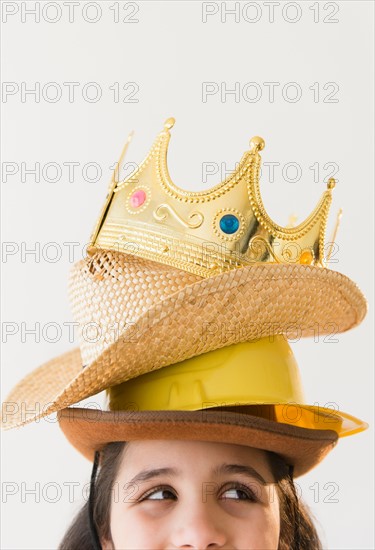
(172, 274)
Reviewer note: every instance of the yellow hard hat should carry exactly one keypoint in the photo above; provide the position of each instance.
(258, 377)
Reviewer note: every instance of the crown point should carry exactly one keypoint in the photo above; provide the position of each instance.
(331, 183)
(257, 143)
(169, 123)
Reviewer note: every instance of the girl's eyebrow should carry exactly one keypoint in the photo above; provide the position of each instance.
(239, 469)
(144, 475)
(249, 471)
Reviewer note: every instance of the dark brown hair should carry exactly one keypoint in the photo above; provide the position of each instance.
(297, 531)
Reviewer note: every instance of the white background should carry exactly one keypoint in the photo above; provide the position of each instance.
(169, 53)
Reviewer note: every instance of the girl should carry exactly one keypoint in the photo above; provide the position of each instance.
(176, 475)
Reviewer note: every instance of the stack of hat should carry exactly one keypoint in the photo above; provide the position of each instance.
(183, 304)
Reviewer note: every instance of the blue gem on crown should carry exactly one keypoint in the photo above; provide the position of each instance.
(229, 224)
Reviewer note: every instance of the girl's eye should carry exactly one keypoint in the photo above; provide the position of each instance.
(165, 493)
(239, 492)
(236, 491)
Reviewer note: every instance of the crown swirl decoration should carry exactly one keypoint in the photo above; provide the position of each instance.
(206, 232)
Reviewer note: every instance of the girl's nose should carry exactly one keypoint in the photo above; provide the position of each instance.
(198, 525)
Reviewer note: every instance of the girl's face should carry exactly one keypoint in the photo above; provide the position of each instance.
(193, 494)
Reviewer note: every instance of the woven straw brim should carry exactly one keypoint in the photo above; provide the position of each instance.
(90, 430)
(235, 306)
(110, 291)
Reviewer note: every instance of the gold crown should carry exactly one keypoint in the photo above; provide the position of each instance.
(205, 232)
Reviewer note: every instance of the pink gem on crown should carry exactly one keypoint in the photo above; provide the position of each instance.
(137, 198)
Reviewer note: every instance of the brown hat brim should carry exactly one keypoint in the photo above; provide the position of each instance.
(89, 430)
